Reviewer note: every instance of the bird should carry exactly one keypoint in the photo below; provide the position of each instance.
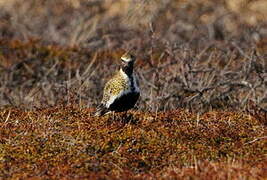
(122, 91)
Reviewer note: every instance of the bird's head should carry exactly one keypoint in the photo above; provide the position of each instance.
(127, 59)
(127, 62)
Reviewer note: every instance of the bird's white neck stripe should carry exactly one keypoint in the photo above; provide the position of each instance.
(125, 76)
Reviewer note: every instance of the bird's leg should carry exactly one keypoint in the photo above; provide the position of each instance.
(113, 115)
(125, 117)
(128, 120)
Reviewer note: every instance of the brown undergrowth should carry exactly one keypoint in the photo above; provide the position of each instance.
(68, 142)
(202, 67)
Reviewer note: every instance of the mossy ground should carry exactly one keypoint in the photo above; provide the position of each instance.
(68, 142)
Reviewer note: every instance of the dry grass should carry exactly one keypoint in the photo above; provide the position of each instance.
(203, 74)
(36, 75)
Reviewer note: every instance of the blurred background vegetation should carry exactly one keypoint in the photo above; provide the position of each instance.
(200, 55)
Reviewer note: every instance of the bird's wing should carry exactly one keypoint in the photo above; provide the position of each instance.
(111, 91)
(109, 95)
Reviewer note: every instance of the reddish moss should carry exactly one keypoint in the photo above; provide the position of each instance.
(69, 142)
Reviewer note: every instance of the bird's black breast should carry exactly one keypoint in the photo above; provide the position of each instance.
(124, 102)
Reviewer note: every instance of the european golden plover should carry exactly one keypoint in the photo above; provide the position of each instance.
(122, 91)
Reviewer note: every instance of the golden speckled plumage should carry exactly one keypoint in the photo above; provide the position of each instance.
(114, 86)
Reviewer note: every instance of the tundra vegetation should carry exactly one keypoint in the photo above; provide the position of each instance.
(202, 67)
